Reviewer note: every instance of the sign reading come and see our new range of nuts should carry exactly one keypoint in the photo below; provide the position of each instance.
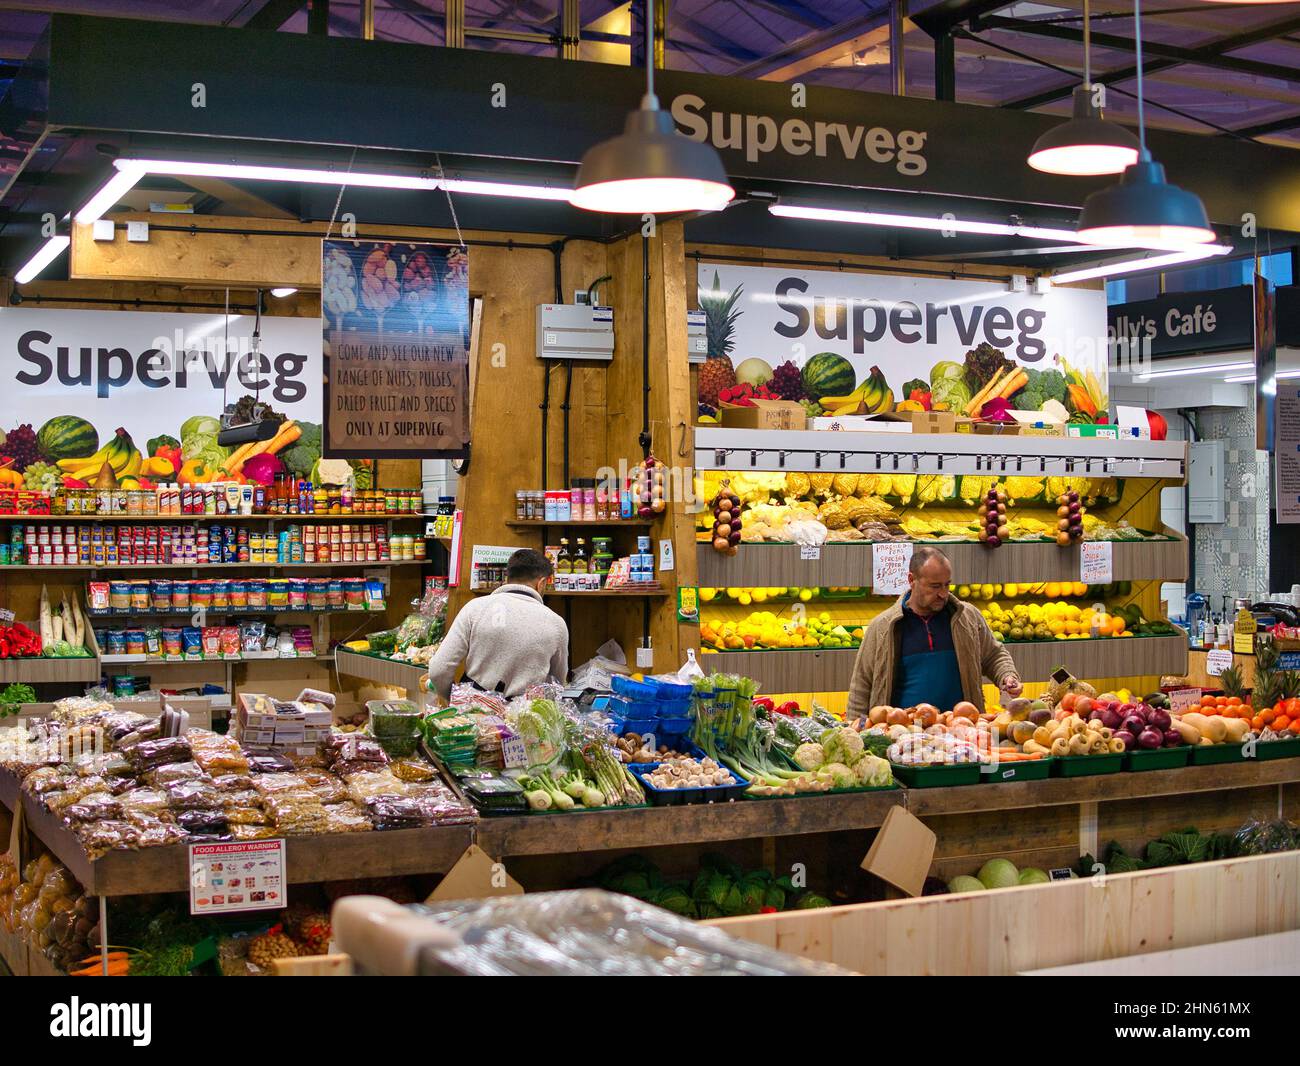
(396, 325)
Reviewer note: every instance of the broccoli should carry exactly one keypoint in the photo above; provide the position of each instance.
(305, 451)
(1052, 384)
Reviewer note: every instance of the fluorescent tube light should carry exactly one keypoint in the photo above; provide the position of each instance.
(954, 225)
(281, 293)
(112, 191)
(45, 255)
(1187, 371)
(1128, 266)
(1281, 374)
(362, 179)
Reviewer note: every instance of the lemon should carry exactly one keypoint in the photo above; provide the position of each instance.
(805, 595)
(963, 592)
(734, 594)
(1052, 590)
(1011, 591)
(707, 595)
(824, 616)
(745, 599)
(986, 592)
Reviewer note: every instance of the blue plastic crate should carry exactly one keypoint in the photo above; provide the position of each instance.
(668, 690)
(632, 690)
(639, 725)
(675, 727)
(674, 708)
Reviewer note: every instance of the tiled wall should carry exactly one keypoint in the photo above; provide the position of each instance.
(1232, 558)
(1173, 512)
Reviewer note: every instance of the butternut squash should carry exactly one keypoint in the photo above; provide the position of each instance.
(1189, 732)
(1216, 728)
(1236, 729)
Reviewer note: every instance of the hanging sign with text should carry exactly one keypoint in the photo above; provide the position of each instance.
(396, 325)
(1095, 562)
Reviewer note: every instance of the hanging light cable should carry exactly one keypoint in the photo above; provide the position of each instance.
(1143, 207)
(1087, 144)
(650, 168)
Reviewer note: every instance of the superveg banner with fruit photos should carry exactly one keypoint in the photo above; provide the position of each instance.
(855, 343)
(143, 391)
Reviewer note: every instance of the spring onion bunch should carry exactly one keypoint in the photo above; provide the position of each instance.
(730, 732)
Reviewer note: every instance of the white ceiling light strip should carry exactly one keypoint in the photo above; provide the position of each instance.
(1153, 262)
(45, 255)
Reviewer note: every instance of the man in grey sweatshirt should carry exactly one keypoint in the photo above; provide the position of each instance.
(508, 640)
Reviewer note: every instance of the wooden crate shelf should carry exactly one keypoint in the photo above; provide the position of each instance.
(812, 670)
(382, 671)
(849, 564)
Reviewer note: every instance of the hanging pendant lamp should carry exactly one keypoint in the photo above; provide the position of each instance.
(1144, 208)
(650, 168)
(1087, 145)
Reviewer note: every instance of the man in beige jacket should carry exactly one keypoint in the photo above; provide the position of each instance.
(929, 647)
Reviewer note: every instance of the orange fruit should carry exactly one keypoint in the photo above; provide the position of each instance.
(1207, 701)
(1257, 723)
(1267, 715)
(1234, 701)
(1295, 727)
(1221, 701)
(1281, 723)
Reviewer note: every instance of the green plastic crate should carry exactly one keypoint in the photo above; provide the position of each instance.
(1029, 770)
(1277, 749)
(1216, 754)
(1087, 765)
(1156, 758)
(938, 776)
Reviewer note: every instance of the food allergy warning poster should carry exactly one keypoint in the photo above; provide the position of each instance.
(396, 338)
(245, 876)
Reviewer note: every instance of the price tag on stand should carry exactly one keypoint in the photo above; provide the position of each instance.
(1095, 562)
(889, 563)
(227, 878)
(810, 552)
(1184, 699)
(1217, 660)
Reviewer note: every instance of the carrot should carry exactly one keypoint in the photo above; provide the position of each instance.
(288, 432)
(977, 401)
(112, 957)
(1018, 380)
(236, 458)
(285, 437)
(1081, 400)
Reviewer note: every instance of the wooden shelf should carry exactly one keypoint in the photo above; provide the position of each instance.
(643, 827)
(308, 859)
(41, 670)
(613, 523)
(180, 519)
(69, 568)
(1102, 788)
(816, 670)
(381, 671)
(846, 563)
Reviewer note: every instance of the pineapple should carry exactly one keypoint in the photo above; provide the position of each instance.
(1266, 657)
(1290, 684)
(718, 372)
(1230, 682)
(1268, 690)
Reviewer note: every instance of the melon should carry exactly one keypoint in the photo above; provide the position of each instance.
(965, 883)
(828, 374)
(67, 437)
(999, 873)
(754, 372)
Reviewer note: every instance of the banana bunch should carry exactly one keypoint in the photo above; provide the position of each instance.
(120, 453)
(872, 397)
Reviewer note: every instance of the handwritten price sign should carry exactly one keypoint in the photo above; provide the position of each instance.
(889, 564)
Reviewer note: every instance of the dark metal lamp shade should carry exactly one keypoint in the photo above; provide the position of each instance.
(651, 169)
(1144, 209)
(1086, 145)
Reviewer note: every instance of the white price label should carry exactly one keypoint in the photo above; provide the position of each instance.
(810, 552)
(1095, 562)
(1217, 660)
(889, 563)
(1184, 699)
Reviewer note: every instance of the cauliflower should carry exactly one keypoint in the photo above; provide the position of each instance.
(809, 756)
(842, 745)
(873, 771)
(841, 776)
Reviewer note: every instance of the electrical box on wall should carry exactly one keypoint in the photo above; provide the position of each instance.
(1206, 478)
(575, 331)
(697, 341)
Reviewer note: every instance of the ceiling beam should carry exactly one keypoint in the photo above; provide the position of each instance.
(938, 19)
(1206, 55)
(1260, 129)
(273, 14)
(796, 60)
(1210, 54)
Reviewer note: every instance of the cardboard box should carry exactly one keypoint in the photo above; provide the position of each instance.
(902, 852)
(997, 429)
(860, 424)
(924, 421)
(765, 414)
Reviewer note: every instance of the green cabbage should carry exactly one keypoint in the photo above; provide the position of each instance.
(203, 446)
(200, 424)
(946, 369)
(951, 391)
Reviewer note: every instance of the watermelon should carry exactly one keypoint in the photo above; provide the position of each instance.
(67, 437)
(828, 374)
